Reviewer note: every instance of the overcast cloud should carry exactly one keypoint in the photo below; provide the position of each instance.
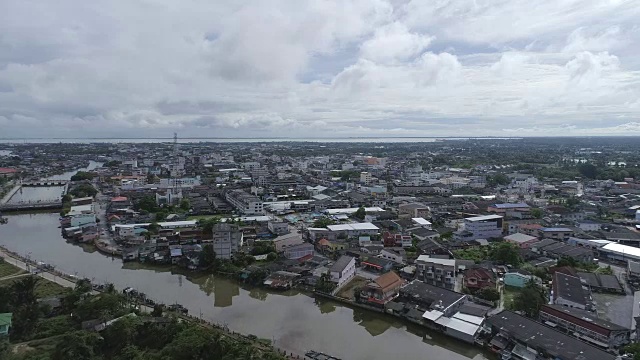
(319, 68)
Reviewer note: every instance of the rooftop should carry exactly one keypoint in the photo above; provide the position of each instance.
(483, 218)
(583, 318)
(341, 263)
(539, 336)
(352, 227)
(568, 288)
(520, 238)
(510, 206)
(432, 294)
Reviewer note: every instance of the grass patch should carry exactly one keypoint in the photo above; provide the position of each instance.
(44, 288)
(7, 269)
(477, 254)
(508, 294)
(348, 289)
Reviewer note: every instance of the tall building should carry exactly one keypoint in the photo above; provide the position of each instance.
(227, 240)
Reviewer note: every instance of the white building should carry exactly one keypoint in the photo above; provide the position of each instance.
(227, 239)
(343, 270)
(278, 227)
(245, 203)
(484, 227)
(366, 178)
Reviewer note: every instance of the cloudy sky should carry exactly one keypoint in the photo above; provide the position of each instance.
(145, 68)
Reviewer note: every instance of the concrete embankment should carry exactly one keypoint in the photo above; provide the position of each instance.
(8, 196)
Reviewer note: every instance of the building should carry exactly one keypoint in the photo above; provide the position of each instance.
(479, 278)
(414, 210)
(333, 232)
(366, 178)
(283, 242)
(537, 338)
(602, 282)
(439, 272)
(245, 203)
(397, 255)
(382, 289)
(483, 227)
(568, 291)
(519, 278)
(556, 233)
(503, 208)
(343, 270)
(521, 240)
(5, 323)
(299, 251)
(227, 240)
(278, 227)
(586, 326)
(588, 226)
(558, 249)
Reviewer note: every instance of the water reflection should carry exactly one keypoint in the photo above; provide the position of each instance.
(296, 321)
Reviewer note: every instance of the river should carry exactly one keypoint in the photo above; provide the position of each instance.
(296, 321)
(47, 193)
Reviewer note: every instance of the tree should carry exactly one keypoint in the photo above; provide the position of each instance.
(83, 175)
(323, 222)
(154, 228)
(83, 286)
(536, 213)
(207, 226)
(207, 256)
(83, 190)
(505, 253)
(147, 203)
(498, 179)
(488, 293)
(185, 205)
(360, 213)
(588, 170)
(76, 345)
(272, 256)
(530, 299)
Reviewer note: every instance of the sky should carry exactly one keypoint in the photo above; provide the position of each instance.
(371, 68)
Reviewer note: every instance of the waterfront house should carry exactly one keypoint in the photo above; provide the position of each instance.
(586, 326)
(519, 278)
(343, 270)
(537, 340)
(382, 290)
(5, 323)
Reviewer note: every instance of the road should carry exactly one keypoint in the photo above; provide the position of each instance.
(45, 275)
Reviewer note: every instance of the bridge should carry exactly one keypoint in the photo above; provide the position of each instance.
(45, 183)
(29, 206)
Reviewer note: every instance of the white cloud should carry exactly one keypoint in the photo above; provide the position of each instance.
(250, 68)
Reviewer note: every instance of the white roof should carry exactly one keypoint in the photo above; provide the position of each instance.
(446, 262)
(432, 315)
(352, 210)
(478, 320)
(622, 249)
(162, 224)
(482, 218)
(520, 238)
(458, 325)
(356, 226)
(421, 221)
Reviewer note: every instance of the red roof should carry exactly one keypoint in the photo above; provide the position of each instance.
(8, 171)
(119, 198)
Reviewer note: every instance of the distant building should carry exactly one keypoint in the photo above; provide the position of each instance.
(245, 203)
(366, 178)
(5, 323)
(521, 240)
(299, 251)
(483, 227)
(278, 227)
(556, 233)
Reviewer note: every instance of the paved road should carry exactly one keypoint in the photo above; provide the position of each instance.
(45, 275)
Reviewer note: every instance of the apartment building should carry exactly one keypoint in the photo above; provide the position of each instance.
(484, 227)
(227, 240)
(245, 203)
(437, 272)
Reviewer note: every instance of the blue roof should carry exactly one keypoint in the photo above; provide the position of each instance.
(555, 229)
(511, 206)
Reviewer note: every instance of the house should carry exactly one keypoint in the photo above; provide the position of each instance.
(414, 210)
(521, 240)
(479, 278)
(568, 291)
(588, 225)
(586, 326)
(343, 270)
(382, 289)
(287, 240)
(278, 227)
(440, 271)
(537, 338)
(377, 264)
(397, 255)
(503, 208)
(326, 246)
(5, 323)
(299, 251)
(556, 233)
(483, 227)
(519, 278)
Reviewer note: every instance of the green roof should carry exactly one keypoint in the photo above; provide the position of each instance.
(5, 319)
